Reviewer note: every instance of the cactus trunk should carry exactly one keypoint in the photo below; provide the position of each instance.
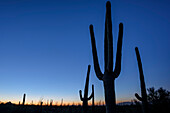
(24, 99)
(61, 102)
(110, 97)
(87, 85)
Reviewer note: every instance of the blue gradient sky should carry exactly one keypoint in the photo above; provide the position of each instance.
(45, 47)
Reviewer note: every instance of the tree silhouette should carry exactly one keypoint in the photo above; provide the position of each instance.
(160, 96)
(159, 100)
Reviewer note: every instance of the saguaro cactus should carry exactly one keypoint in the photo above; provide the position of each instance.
(142, 84)
(109, 75)
(41, 103)
(61, 102)
(24, 99)
(86, 98)
(47, 102)
(51, 102)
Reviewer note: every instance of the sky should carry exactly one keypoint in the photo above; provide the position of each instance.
(45, 47)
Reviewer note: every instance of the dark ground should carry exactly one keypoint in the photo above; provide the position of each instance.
(6, 108)
(11, 108)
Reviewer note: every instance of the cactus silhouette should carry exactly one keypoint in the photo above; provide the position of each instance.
(47, 102)
(61, 102)
(41, 103)
(24, 99)
(142, 84)
(109, 75)
(51, 102)
(86, 98)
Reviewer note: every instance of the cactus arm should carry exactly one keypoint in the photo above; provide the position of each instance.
(93, 89)
(92, 94)
(93, 99)
(138, 97)
(95, 58)
(119, 52)
(80, 93)
(108, 44)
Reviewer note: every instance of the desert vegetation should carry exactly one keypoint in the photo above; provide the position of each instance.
(158, 102)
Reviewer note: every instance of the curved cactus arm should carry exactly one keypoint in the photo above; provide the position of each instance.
(93, 89)
(117, 69)
(95, 58)
(80, 93)
(92, 94)
(138, 97)
(108, 41)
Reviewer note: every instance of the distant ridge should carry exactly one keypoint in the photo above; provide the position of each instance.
(125, 103)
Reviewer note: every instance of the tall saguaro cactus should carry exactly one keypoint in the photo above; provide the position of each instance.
(86, 98)
(109, 75)
(142, 84)
(24, 99)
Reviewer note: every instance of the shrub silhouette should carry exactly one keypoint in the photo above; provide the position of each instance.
(160, 96)
(159, 100)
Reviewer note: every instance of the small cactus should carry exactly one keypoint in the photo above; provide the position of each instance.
(86, 98)
(51, 102)
(24, 99)
(109, 76)
(142, 84)
(47, 102)
(41, 103)
(61, 102)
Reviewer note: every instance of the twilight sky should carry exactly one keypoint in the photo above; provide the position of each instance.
(45, 47)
